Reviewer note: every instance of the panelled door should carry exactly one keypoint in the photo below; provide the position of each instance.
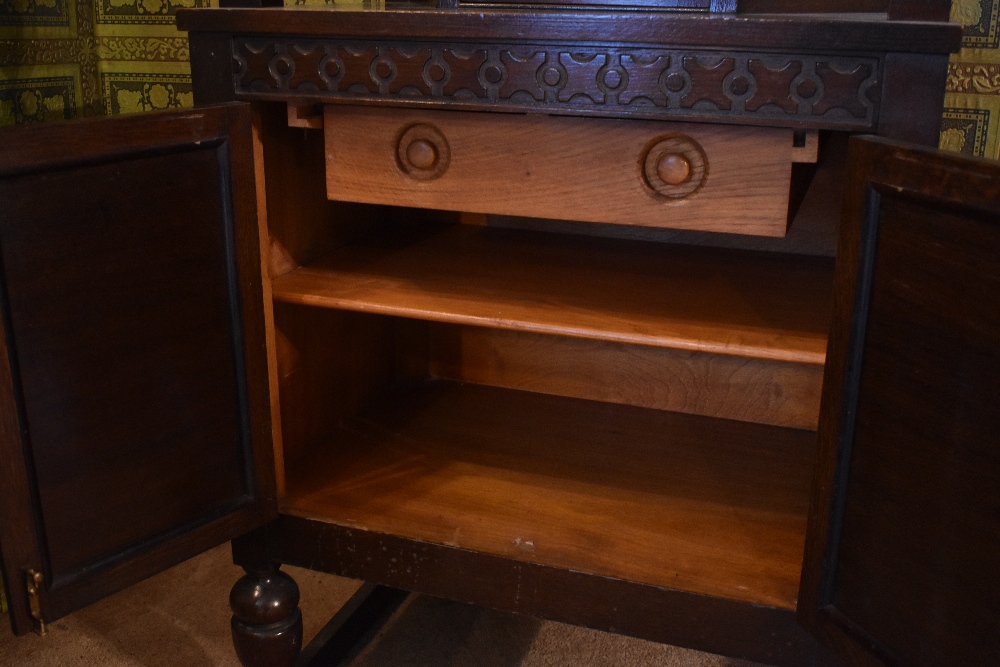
(903, 553)
(134, 411)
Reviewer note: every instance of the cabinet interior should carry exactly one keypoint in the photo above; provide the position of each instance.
(635, 408)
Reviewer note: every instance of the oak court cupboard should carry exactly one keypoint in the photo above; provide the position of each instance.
(529, 307)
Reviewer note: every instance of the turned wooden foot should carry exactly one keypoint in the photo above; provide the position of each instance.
(267, 623)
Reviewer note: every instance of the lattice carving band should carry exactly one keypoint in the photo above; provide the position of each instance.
(822, 91)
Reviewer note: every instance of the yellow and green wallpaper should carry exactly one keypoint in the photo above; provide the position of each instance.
(68, 58)
(972, 102)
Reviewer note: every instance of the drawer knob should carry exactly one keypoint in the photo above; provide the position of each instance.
(673, 166)
(673, 169)
(422, 152)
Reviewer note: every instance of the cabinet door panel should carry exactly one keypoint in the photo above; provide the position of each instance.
(134, 335)
(904, 544)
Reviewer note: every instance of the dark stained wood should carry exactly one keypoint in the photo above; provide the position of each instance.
(850, 34)
(710, 506)
(250, 3)
(712, 85)
(213, 83)
(19, 536)
(919, 10)
(759, 305)
(897, 118)
(806, 6)
(528, 61)
(753, 632)
(266, 623)
(132, 308)
(901, 560)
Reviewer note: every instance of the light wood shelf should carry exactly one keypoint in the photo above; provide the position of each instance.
(711, 506)
(750, 304)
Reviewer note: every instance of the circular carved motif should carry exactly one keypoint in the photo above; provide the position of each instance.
(493, 74)
(806, 89)
(283, 66)
(675, 82)
(674, 166)
(383, 69)
(739, 86)
(612, 79)
(551, 76)
(436, 72)
(422, 152)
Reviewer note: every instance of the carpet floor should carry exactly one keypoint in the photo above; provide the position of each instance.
(181, 619)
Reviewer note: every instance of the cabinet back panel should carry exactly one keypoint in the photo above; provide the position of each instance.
(128, 374)
(756, 390)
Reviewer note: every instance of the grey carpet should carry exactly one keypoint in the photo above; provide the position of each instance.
(181, 619)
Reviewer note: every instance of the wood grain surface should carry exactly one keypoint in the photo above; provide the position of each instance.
(706, 505)
(132, 306)
(902, 552)
(759, 305)
(757, 390)
(562, 168)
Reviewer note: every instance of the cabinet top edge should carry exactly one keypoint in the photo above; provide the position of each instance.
(779, 32)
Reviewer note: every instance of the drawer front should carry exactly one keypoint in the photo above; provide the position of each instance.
(716, 178)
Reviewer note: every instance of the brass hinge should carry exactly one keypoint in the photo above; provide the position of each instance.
(33, 581)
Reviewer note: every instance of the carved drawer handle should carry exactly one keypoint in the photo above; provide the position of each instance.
(422, 152)
(673, 169)
(674, 166)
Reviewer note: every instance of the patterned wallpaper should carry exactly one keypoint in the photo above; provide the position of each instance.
(66, 58)
(972, 102)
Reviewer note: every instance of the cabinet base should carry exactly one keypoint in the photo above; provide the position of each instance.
(726, 627)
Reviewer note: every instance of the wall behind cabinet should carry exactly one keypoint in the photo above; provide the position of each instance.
(69, 58)
(972, 103)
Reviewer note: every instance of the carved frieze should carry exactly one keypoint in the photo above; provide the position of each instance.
(823, 91)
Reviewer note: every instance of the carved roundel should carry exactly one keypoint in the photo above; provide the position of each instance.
(422, 152)
(674, 166)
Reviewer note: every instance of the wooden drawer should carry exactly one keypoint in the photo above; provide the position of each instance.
(716, 178)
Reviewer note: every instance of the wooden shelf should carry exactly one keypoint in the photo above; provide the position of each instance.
(751, 304)
(705, 505)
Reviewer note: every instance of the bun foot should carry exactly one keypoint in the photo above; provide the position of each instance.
(267, 623)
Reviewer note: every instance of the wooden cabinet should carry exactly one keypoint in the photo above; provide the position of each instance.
(135, 405)
(332, 352)
(904, 523)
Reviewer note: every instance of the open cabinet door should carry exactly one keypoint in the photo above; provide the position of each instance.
(903, 553)
(134, 410)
